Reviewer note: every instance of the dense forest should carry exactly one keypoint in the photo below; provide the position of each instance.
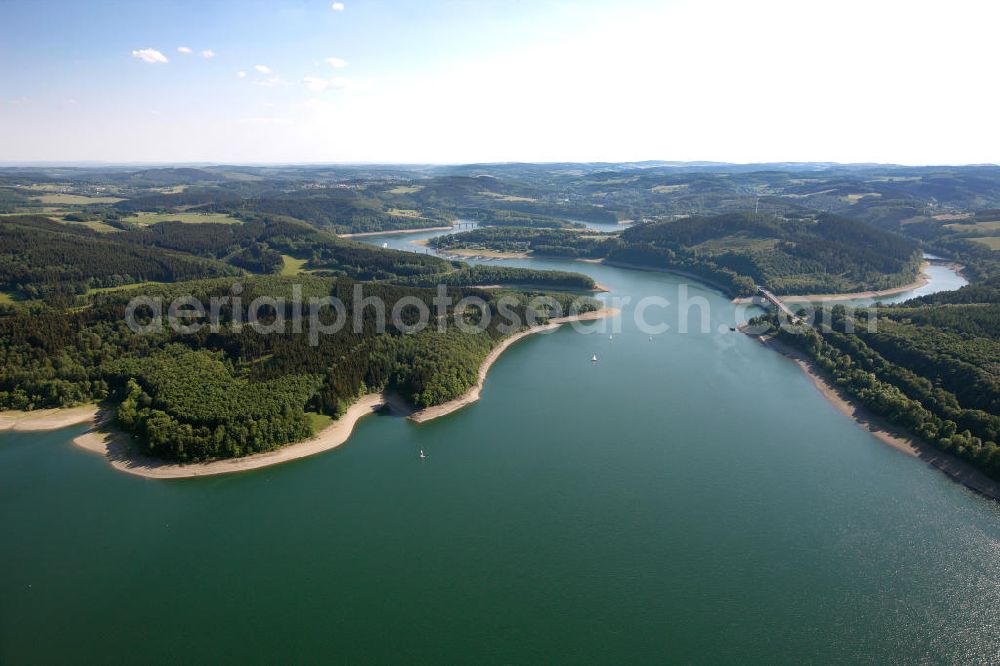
(45, 259)
(77, 242)
(484, 275)
(42, 258)
(788, 255)
(234, 390)
(930, 365)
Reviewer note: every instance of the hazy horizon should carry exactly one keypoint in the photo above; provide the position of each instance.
(457, 82)
(652, 162)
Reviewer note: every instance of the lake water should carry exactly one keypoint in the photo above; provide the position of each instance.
(689, 498)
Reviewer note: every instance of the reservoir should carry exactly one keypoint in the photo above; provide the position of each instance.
(691, 497)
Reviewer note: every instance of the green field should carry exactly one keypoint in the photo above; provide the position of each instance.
(737, 244)
(992, 242)
(405, 189)
(292, 265)
(5, 297)
(406, 212)
(95, 225)
(318, 422)
(76, 199)
(991, 226)
(145, 219)
(124, 287)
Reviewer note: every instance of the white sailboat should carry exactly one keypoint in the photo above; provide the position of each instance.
(385, 245)
(422, 456)
(594, 359)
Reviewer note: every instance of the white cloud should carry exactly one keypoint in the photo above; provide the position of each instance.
(319, 84)
(343, 83)
(241, 74)
(336, 63)
(184, 49)
(337, 6)
(315, 83)
(208, 53)
(263, 69)
(149, 55)
(271, 82)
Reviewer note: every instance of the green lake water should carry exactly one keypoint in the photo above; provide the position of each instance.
(691, 498)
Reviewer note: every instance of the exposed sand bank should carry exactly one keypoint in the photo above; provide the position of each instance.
(921, 280)
(46, 419)
(117, 446)
(897, 438)
(598, 287)
(471, 253)
(472, 395)
(656, 269)
(394, 231)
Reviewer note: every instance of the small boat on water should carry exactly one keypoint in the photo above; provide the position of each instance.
(594, 359)
(611, 337)
(422, 456)
(385, 245)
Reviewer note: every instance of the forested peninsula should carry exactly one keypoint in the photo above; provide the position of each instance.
(793, 254)
(234, 391)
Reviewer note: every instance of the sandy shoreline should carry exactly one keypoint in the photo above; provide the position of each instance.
(472, 395)
(897, 438)
(598, 287)
(394, 231)
(921, 280)
(46, 419)
(655, 269)
(117, 446)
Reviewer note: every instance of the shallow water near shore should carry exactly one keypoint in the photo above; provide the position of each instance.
(692, 497)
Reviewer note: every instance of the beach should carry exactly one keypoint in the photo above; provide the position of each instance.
(46, 419)
(897, 438)
(705, 281)
(394, 232)
(921, 280)
(117, 446)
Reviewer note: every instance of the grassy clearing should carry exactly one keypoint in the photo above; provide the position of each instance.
(94, 225)
(319, 422)
(405, 189)
(507, 197)
(486, 254)
(6, 298)
(667, 189)
(292, 265)
(76, 199)
(992, 242)
(124, 287)
(737, 244)
(993, 226)
(145, 219)
(405, 212)
(853, 198)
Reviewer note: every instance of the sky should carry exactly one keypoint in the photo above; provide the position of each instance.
(457, 81)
